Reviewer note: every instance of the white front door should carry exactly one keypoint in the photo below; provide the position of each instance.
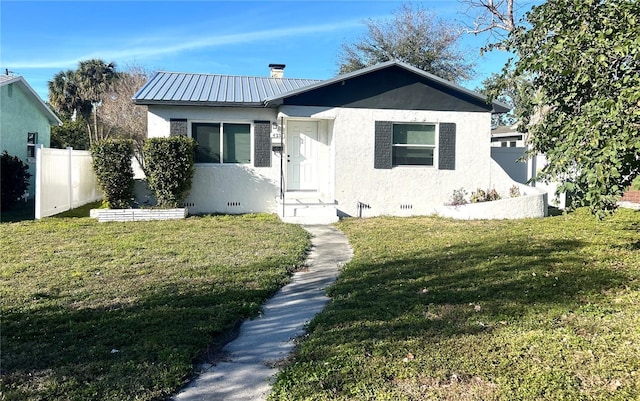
(302, 156)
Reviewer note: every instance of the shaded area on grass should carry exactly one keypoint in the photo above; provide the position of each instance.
(20, 212)
(437, 309)
(120, 311)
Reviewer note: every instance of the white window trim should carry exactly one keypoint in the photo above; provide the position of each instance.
(33, 145)
(222, 122)
(435, 147)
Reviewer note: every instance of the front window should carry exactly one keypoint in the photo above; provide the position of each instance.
(222, 142)
(414, 144)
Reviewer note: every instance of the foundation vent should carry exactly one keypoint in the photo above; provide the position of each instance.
(406, 207)
(233, 204)
(188, 204)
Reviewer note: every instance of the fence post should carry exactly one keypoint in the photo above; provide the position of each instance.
(38, 211)
(70, 176)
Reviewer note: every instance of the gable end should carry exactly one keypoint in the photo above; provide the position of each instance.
(390, 88)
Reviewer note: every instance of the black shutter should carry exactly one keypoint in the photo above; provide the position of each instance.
(383, 145)
(262, 143)
(178, 127)
(447, 147)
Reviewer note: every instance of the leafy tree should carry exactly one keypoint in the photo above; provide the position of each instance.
(414, 36)
(71, 134)
(516, 92)
(584, 59)
(82, 91)
(119, 115)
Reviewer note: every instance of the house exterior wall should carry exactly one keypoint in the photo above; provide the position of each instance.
(224, 188)
(401, 190)
(18, 116)
(346, 163)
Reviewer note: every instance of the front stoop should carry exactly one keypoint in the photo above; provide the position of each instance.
(307, 209)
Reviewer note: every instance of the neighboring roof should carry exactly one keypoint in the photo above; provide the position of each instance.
(498, 107)
(176, 88)
(171, 88)
(8, 79)
(505, 129)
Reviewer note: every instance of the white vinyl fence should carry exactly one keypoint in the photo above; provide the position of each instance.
(64, 180)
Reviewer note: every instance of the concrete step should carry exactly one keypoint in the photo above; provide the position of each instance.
(308, 210)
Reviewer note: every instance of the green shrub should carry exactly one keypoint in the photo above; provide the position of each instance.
(112, 165)
(169, 168)
(15, 179)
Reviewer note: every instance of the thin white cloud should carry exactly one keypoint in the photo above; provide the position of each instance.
(174, 45)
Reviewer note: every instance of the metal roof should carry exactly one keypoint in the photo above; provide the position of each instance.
(174, 88)
(209, 89)
(4, 78)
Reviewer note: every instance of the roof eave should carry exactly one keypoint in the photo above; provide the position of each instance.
(144, 102)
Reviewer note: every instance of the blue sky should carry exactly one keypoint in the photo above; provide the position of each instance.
(40, 38)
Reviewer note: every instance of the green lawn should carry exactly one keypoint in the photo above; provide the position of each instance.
(121, 311)
(436, 309)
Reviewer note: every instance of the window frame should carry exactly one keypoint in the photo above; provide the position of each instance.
(221, 124)
(31, 144)
(436, 135)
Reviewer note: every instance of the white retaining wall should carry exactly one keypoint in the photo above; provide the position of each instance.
(104, 215)
(532, 202)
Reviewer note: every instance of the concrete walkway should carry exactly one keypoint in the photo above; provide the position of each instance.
(250, 360)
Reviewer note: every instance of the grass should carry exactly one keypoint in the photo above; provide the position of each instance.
(436, 309)
(122, 311)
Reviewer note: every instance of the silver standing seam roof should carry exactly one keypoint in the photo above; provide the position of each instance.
(173, 88)
(209, 90)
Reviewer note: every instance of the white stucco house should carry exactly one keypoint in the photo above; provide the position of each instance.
(385, 140)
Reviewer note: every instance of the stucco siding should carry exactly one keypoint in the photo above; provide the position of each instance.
(405, 190)
(224, 188)
(19, 115)
(346, 165)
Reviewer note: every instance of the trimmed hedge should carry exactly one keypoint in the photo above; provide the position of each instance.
(15, 180)
(169, 168)
(112, 165)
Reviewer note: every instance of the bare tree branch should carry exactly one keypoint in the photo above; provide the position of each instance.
(491, 16)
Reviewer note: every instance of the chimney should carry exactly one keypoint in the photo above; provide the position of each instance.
(277, 70)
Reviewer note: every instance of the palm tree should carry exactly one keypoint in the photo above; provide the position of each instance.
(94, 78)
(64, 95)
